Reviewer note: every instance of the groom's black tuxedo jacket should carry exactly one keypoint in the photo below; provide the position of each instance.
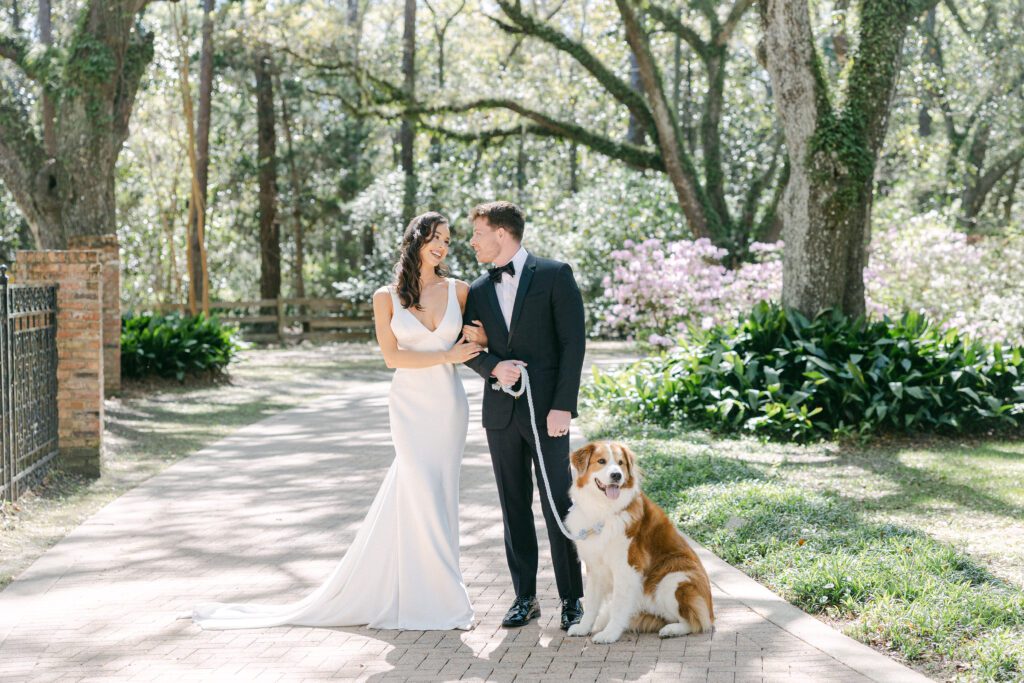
(547, 333)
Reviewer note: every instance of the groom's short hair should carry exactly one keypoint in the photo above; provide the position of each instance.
(501, 215)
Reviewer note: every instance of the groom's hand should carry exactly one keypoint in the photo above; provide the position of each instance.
(507, 372)
(558, 422)
(475, 333)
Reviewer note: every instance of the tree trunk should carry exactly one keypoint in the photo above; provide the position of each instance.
(48, 112)
(15, 13)
(711, 137)
(298, 282)
(353, 147)
(198, 294)
(198, 209)
(407, 135)
(574, 161)
(270, 232)
(71, 192)
(1010, 193)
(521, 169)
(635, 133)
(677, 56)
(826, 206)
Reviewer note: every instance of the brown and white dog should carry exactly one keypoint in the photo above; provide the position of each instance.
(642, 575)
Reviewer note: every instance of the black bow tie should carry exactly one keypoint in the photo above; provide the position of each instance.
(497, 272)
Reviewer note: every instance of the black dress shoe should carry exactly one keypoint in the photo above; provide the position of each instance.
(572, 612)
(521, 612)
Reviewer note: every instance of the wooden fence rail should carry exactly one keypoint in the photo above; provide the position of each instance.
(291, 320)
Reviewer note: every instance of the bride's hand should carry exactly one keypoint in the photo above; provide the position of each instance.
(463, 351)
(475, 333)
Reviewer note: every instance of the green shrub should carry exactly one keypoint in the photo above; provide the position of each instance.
(776, 373)
(174, 345)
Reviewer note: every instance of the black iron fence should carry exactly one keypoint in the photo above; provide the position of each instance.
(28, 379)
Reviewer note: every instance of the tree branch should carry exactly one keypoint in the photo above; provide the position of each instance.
(702, 218)
(18, 51)
(394, 92)
(138, 55)
(724, 35)
(759, 184)
(958, 18)
(633, 155)
(618, 88)
(485, 135)
(670, 21)
(875, 65)
(709, 10)
(996, 171)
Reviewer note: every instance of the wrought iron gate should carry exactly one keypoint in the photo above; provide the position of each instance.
(28, 379)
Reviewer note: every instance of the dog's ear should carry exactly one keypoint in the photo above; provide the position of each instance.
(630, 457)
(580, 459)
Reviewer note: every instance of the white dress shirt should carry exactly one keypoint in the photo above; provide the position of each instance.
(507, 288)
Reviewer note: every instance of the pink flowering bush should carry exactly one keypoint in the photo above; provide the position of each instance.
(657, 288)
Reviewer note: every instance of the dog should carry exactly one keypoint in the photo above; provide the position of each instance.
(642, 575)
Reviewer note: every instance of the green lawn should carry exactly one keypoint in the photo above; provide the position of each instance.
(915, 547)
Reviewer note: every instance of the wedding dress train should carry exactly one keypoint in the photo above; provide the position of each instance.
(402, 569)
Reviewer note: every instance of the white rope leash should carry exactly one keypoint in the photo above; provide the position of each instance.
(524, 386)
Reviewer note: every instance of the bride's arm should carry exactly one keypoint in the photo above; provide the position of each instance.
(400, 358)
(474, 330)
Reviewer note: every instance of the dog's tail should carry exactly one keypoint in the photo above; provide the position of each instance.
(647, 623)
(696, 608)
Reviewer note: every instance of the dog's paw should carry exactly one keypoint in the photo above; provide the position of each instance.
(578, 630)
(608, 635)
(675, 630)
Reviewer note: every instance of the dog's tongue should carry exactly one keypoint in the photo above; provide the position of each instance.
(612, 492)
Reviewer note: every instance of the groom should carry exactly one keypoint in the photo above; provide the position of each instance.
(532, 313)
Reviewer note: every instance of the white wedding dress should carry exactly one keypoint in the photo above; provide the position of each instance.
(402, 569)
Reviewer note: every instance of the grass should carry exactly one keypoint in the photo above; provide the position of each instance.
(152, 424)
(914, 547)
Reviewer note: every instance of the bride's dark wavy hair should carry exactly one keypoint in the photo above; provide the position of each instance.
(407, 271)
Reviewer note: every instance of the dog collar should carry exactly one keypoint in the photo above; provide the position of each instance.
(587, 533)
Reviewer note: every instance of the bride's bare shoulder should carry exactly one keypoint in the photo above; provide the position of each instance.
(382, 296)
(462, 291)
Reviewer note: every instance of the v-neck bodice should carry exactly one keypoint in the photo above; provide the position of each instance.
(412, 334)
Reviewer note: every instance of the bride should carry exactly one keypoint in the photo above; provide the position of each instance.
(402, 569)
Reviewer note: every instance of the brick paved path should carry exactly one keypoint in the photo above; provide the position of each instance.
(265, 514)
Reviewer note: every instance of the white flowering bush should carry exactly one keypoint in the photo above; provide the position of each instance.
(975, 284)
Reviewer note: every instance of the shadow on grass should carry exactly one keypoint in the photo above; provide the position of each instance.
(955, 480)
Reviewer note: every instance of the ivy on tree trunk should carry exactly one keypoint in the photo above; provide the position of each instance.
(826, 206)
(90, 83)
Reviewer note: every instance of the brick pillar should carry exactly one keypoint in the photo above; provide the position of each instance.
(79, 274)
(111, 259)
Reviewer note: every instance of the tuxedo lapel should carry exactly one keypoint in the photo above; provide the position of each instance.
(491, 294)
(524, 285)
